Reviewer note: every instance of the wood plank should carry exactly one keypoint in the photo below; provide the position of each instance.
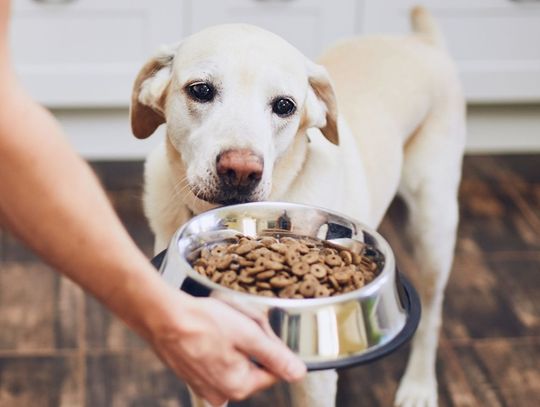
(40, 381)
(132, 379)
(104, 331)
(38, 309)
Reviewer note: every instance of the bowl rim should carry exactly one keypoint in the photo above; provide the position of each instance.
(388, 271)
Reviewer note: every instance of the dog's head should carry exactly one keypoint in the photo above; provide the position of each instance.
(234, 98)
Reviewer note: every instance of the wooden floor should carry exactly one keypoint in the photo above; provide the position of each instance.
(58, 347)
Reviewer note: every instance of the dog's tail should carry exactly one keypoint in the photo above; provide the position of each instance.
(426, 27)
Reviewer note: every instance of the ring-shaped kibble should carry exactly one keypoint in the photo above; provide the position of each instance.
(228, 277)
(318, 270)
(333, 260)
(311, 257)
(224, 262)
(219, 250)
(308, 288)
(322, 291)
(300, 268)
(292, 257)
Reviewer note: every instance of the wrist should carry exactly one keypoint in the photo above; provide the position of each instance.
(147, 304)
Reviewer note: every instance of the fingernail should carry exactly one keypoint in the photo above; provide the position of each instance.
(296, 369)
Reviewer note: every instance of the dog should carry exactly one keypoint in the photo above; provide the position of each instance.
(249, 118)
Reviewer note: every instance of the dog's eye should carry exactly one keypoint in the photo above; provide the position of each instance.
(201, 91)
(283, 107)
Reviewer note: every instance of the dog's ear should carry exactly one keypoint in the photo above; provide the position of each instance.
(321, 105)
(149, 92)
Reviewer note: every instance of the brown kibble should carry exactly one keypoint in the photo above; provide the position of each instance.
(216, 277)
(237, 287)
(346, 256)
(251, 271)
(244, 262)
(281, 281)
(311, 257)
(333, 260)
(228, 278)
(224, 262)
(318, 270)
(280, 248)
(292, 257)
(263, 285)
(369, 276)
(218, 250)
(342, 277)
(356, 259)
(244, 248)
(308, 288)
(322, 291)
(300, 268)
(334, 282)
(246, 279)
(265, 275)
(289, 291)
(268, 241)
(358, 280)
(289, 267)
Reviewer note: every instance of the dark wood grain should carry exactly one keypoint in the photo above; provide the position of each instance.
(39, 310)
(59, 347)
(50, 381)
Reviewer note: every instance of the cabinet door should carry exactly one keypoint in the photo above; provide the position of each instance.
(496, 43)
(80, 53)
(310, 25)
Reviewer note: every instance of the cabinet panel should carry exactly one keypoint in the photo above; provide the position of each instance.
(495, 42)
(87, 52)
(310, 25)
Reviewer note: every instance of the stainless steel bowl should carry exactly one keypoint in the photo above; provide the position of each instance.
(331, 332)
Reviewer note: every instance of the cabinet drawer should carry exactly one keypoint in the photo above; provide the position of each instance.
(310, 25)
(495, 42)
(72, 53)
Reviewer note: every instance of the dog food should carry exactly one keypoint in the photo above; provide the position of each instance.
(286, 267)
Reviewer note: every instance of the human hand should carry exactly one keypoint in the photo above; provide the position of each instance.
(209, 344)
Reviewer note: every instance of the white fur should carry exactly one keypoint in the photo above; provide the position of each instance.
(401, 129)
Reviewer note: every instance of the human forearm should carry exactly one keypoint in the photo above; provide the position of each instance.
(52, 200)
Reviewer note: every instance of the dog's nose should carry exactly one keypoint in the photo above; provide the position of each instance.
(240, 168)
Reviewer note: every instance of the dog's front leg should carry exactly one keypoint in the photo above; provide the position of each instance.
(433, 223)
(318, 389)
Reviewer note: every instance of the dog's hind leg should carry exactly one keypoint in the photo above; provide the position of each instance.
(429, 186)
(318, 389)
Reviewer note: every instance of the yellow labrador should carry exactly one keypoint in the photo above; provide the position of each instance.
(249, 118)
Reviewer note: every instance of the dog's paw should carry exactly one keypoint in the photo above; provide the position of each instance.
(416, 392)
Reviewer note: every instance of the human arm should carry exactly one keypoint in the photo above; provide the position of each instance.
(50, 198)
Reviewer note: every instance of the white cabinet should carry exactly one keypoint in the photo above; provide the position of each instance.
(496, 43)
(310, 25)
(81, 53)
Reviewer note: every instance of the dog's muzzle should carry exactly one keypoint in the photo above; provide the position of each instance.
(239, 172)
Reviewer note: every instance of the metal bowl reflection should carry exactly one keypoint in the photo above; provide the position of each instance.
(331, 332)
